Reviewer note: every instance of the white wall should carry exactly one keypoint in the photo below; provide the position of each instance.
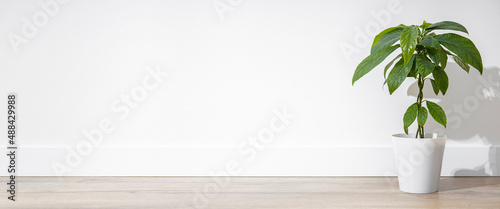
(230, 70)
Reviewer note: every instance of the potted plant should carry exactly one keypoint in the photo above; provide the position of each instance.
(424, 55)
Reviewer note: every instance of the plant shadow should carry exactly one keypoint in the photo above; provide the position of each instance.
(472, 105)
(460, 183)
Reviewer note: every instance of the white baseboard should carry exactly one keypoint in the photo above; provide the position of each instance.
(209, 161)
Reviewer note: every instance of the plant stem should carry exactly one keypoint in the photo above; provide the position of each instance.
(420, 130)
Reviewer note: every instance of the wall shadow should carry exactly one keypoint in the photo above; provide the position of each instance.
(472, 104)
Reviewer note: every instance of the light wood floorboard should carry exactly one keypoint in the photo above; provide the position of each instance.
(247, 193)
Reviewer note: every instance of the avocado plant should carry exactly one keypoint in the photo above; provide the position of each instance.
(424, 55)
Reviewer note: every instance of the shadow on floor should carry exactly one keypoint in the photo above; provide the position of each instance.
(451, 183)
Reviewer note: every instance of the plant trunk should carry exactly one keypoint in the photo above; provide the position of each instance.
(420, 130)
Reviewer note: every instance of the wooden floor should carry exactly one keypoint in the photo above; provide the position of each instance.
(246, 193)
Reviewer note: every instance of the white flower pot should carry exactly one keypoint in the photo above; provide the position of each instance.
(418, 161)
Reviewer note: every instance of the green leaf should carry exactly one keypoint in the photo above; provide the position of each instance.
(429, 34)
(461, 63)
(438, 56)
(447, 25)
(434, 55)
(397, 66)
(408, 42)
(371, 62)
(435, 87)
(462, 47)
(425, 25)
(424, 65)
(381, 34)
(441, 79)
(443, 57)
(437, 113)
(410, 116)
(386, 40)
(413, 71)
(422, 116)
(398, 74)
(390, 64)
(430, 42)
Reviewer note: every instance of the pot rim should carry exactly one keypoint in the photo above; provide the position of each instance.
(412, 136)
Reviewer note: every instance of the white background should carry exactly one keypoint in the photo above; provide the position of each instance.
(228, 72)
